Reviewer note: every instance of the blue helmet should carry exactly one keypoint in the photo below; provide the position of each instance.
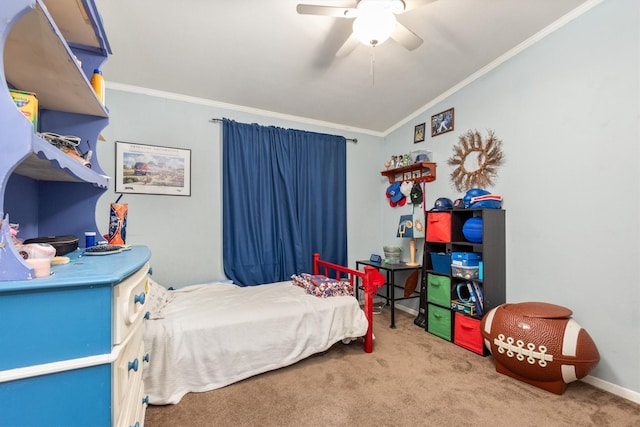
(442, 204)
(477, 198)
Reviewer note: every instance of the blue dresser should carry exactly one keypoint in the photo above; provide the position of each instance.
(71, 348)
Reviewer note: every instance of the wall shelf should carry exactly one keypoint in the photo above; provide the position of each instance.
(48, 163)
(40, 185)
(37, 59)
(422, 171)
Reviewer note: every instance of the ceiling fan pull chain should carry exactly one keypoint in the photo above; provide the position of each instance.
(372, 72)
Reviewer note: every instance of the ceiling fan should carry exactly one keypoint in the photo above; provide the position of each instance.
(374, 22)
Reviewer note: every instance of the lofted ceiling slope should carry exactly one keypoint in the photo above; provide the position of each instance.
(263, 55)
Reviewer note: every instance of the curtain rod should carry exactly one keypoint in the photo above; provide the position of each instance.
(354, 140)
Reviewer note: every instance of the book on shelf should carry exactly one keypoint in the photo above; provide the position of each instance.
(471, 286)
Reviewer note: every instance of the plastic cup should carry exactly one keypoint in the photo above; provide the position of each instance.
(89, 239)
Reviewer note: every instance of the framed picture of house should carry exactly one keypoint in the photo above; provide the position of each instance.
(418, 133)
(151, 169)
(442, 122)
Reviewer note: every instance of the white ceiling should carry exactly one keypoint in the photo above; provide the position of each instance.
(262, 55)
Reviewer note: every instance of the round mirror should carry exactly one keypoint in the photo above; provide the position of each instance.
(476, 161)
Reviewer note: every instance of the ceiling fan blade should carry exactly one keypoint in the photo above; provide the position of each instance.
(337, 12)
(351, 43)
(414, 4)
(406, 37)
(340, 31)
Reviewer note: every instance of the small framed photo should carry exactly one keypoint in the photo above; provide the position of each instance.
(442, 122)
(151, 169)
(418, 133)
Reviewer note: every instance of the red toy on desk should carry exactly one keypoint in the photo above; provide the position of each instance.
(539, 343)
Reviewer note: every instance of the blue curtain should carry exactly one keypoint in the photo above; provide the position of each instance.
(284, 198)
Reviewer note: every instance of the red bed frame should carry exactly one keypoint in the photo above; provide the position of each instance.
(371, 278)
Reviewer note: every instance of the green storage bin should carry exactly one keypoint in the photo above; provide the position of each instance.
(439, 290)
(439, 321)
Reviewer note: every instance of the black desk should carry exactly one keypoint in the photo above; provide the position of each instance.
(390, 297)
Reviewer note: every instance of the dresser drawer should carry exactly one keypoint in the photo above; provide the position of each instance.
(128, 304)
(140, 406)
(134, 407)
(127, 372)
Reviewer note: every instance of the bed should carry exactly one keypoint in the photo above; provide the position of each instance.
(207, 336)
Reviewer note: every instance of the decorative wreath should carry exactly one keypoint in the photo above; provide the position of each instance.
(489, 156)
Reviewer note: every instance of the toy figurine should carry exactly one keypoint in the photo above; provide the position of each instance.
(393, 162)
(399, 161)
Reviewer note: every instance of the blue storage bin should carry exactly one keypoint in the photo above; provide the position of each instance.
(466, 259)
(441, 262)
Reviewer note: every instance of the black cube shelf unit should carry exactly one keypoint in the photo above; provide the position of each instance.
(440, 284)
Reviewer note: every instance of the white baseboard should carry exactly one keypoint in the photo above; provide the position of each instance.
(596, 382)
(625, 393)
(407, 309)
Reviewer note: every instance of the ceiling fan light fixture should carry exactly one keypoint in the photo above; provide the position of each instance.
(374, 24)
(397, 6)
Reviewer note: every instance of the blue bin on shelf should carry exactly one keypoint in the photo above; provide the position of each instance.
(441, 262)
(466, 259)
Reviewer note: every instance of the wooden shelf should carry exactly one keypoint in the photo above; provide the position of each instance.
(48, 163)
(37, 59)
(79, 24)
(423, 171)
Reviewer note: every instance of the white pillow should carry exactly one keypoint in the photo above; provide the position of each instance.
(158, 297)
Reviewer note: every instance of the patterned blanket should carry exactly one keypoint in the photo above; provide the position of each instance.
(322, 286)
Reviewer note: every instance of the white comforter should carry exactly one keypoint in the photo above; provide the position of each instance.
(213, 335)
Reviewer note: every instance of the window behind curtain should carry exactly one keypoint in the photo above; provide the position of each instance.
(284, 198)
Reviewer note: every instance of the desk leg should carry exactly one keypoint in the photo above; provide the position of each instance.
(392, 286)
(386, 300)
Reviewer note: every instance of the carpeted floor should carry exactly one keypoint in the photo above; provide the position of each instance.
(412, 378)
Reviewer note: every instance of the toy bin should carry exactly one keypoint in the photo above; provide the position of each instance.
(463, 272)
(466, 333)
(438, 227)
(441, 262)
(439, 321)
(466, 259)
(439, 289)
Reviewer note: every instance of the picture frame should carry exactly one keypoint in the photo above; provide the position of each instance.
(418, 133)
(442, 122)
(152, 169)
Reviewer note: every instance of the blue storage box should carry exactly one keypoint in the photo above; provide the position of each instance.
(441, 262)
(466, 259)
